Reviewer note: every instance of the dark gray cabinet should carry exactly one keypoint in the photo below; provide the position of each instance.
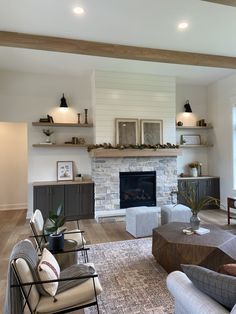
(77, 199)
(204, 187)
(48, 197)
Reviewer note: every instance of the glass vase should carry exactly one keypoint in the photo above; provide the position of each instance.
(194, 222)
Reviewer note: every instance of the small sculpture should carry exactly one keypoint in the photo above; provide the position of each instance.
(86, 116)
(78, 114)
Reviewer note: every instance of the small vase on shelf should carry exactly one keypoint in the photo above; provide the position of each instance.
(86, 116)
(193, 172)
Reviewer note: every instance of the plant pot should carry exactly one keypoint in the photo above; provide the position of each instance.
(193, 172)
(56, 242)
(194, 222)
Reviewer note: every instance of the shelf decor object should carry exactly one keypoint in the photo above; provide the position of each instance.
(126, 131)
(86, 116)
(151, 131)
(190, 140)
(65, 171)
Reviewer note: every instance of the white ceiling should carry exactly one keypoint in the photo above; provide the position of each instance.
(147, 23)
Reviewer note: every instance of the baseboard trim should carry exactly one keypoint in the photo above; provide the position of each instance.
(110, 213)
(13, 206)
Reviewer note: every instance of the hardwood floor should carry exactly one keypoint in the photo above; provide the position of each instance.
(14, 227)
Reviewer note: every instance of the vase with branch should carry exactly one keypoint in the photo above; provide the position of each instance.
(48, 134)
(191, 199)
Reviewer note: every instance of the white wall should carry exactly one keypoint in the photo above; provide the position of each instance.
(26, 97)
(221, 99)
(13, 165)
(139, 96)
(197, 96)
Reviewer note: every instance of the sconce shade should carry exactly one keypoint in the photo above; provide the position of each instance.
(187, 107)
(63, 102)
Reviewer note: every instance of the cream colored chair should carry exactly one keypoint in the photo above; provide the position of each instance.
(23, 291)
(37, 227)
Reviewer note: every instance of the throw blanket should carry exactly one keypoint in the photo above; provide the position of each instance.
(13, 301)
(74, 271)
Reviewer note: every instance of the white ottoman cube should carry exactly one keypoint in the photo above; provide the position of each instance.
(179, 212)
(141, 220)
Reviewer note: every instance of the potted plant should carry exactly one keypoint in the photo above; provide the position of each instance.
(193, 168)
(191, 199)
(56, 219)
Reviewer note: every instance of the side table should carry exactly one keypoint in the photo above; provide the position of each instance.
(68, 256)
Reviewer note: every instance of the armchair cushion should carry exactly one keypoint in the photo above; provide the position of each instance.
(221, 288)
(49, 269)
(80, 294)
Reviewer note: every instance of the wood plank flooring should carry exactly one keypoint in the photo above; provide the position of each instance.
(14, 227)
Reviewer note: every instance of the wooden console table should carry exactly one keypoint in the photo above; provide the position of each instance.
(171, 247)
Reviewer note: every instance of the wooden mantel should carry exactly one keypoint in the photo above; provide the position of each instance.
(113, 153)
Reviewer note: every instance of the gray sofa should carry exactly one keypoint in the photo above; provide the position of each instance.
(190, 300)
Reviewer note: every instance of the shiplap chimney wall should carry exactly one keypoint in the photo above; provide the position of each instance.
(128, 95)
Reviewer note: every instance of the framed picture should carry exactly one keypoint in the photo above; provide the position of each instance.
(190, 139)
(151, 131)
(65, 171)
(126, 131)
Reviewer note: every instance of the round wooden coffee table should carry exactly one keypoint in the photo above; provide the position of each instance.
(171, 247)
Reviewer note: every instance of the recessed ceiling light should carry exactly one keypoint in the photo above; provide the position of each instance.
(78, 10)
(182, 25)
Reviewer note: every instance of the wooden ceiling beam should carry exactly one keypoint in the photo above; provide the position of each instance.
(231, 3)
(92, 48)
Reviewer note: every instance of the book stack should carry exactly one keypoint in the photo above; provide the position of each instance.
(202, 231)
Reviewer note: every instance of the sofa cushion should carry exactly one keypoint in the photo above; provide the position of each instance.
(228, 269)
(220, 287)
(49, 269)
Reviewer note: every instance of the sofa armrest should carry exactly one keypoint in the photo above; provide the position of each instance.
(191, 299)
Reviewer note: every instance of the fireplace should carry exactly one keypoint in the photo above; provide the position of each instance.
(137, 189)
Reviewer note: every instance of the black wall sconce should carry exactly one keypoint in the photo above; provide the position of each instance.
(187, 106)
(63, 104)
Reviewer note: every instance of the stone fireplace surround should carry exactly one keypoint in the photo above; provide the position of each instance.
(105, 174)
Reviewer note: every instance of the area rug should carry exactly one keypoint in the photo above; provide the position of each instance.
(133, 282)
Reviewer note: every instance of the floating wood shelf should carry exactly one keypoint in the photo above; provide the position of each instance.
(196, 146)
(59, 145)
(194, 127)
(78, 125)
(115, 153)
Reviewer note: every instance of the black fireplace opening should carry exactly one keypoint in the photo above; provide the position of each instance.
(137, 189)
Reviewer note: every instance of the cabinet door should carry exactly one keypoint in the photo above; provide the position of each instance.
(182, 186)
(42, 199)
(48, 198)
(87, 201)
(56, 196)
(79, 201)
(72, 201)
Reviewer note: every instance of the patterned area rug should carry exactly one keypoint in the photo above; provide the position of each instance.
(133, 282)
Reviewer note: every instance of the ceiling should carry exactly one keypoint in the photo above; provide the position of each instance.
(143, 23)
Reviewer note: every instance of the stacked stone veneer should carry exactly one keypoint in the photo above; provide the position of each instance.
(105, 174)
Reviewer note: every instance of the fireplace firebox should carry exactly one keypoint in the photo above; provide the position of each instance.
(137, 189)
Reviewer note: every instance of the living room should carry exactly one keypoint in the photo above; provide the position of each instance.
(32, 84)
